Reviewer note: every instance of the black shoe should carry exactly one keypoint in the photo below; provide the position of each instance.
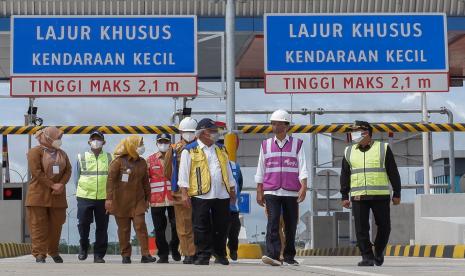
(148, 259)
(83, 248)
(98, 260)
(176, 256)
(202, 261)
(233, 255)
(221, 260)
(40, 259)
(188, 260)
(291, 262)
(58, 259)
(163, 260)
(366, 262)
(126, 260)
(379, 259)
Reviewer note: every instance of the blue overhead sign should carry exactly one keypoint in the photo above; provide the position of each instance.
(355, 42)
(94, 56)
(85, 45)
(352, 53)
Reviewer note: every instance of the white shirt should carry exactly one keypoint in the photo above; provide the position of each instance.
(217, 190)
(303, 173)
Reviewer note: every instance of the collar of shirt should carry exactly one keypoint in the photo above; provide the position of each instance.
(93, 154)
(364, 148)
(202, 145)
(281, 143)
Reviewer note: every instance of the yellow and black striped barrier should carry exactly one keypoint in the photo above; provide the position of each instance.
(247, 129)
(18, 130)
(435, 251)
(342, 128)
(10, 250)
(339, 251)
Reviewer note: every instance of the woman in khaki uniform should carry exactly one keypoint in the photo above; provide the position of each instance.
(46, 195)
(128, 195)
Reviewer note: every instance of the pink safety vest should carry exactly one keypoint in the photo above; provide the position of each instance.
(281, 165)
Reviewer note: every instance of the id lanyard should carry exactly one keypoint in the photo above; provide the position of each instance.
(55, 167)
(129, 169)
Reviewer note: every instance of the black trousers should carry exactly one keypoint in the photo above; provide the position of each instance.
(233, 231)
(210, 220)
(160, 223)
(87, 210)
(290, 209)
(381, 212)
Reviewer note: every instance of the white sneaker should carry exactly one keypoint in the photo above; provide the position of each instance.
(269, 261)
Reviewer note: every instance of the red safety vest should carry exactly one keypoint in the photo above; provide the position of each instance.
(160, 186)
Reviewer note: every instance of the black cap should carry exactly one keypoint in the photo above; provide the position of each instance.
(206, 123)
(97, 133)
(164, 136)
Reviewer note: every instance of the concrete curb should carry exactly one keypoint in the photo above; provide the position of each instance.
(10, 250)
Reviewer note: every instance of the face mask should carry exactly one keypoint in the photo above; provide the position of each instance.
(215, 137)
(189, 137)
(56, 144)
(96, 144)
(357, 136)
(163, 147)
(140, 150)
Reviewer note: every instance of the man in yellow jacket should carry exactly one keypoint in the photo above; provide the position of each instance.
(91, 174)
(207, 184)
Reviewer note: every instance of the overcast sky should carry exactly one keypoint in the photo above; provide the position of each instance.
(157, 111)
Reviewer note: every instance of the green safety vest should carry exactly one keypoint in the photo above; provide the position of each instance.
(92, 182)
(367, 170)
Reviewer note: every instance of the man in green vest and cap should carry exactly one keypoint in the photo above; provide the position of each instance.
(91, 174)
(367, 169)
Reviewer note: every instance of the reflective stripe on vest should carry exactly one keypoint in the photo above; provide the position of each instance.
(281, 165)
(199, 178)
(368, 172)
(160, 186)
(93, 176)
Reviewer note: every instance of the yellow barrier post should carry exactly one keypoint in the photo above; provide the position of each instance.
(231, 144)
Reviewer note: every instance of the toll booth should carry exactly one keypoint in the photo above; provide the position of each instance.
(13, 213)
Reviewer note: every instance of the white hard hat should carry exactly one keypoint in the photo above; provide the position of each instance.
(188, 124)
(280, 115)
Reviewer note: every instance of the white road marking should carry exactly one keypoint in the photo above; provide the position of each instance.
(344, 270)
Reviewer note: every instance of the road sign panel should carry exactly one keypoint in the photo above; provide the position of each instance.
(103, 56)
(347, 53)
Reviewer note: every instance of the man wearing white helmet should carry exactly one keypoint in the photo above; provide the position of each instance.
(281, 185)
(183, 214)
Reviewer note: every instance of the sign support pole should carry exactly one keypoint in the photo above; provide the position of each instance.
(230, 66)
(425, 136)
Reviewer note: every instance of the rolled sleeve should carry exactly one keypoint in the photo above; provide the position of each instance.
(260, 168)
(184, 169)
